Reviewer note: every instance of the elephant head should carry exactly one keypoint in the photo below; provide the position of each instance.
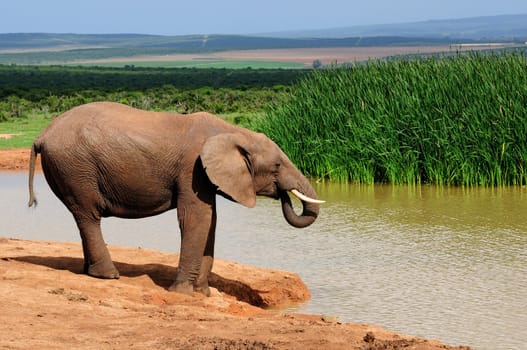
(244, 165)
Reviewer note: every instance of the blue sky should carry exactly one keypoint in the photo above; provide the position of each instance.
(172, 17)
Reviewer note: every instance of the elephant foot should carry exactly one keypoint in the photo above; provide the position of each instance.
(182, 287)
(205, 290)
(189, 289)
(102, 270)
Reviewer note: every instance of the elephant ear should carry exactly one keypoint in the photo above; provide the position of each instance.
(226, 162)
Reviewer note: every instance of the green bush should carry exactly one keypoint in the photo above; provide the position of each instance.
(55, 89)
(167, 98)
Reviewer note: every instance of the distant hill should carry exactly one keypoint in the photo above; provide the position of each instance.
(505, 27)
(501, 28)
(62, 48)
(38, 48)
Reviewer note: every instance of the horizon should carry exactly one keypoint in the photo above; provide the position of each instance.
(273, 32)
(231, 17)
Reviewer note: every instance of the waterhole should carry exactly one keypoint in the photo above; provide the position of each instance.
(436, 262)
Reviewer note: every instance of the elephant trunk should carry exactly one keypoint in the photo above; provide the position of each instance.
(310, 206)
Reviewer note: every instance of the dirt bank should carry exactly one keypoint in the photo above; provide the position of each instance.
(15, 159)
(47, 303)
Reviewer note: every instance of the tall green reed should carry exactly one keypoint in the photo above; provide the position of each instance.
(452, 120)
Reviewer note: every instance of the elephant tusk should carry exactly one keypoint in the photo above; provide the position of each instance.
(305, 198)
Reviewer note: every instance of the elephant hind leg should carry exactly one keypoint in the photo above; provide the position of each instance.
(80, 194)
(97, 260)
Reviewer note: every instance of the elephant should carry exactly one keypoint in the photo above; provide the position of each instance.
(106, 159)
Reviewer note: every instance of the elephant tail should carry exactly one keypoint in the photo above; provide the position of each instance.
(35, 149)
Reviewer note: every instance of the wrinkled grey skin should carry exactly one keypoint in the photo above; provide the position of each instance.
(106, 159)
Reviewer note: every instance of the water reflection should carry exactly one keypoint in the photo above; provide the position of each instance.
(439, 262)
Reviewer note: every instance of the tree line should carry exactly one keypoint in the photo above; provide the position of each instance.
(54, 89)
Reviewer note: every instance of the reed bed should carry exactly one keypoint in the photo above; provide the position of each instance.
(441, 120)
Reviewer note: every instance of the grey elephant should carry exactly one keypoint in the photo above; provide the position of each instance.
(106, 159)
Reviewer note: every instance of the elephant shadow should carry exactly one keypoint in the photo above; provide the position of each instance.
(161, 275)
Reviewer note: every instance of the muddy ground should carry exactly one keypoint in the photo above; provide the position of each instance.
(47, 303)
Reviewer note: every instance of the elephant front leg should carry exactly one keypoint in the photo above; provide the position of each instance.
(198, 224)
(201, 285)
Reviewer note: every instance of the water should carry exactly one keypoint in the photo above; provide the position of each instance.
(443, 263)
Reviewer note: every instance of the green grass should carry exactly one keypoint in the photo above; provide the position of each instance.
(455, 121)
(245, 120)
(205, 64)
(25, 130)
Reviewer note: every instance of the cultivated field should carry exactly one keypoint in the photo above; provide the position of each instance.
(305, 56)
